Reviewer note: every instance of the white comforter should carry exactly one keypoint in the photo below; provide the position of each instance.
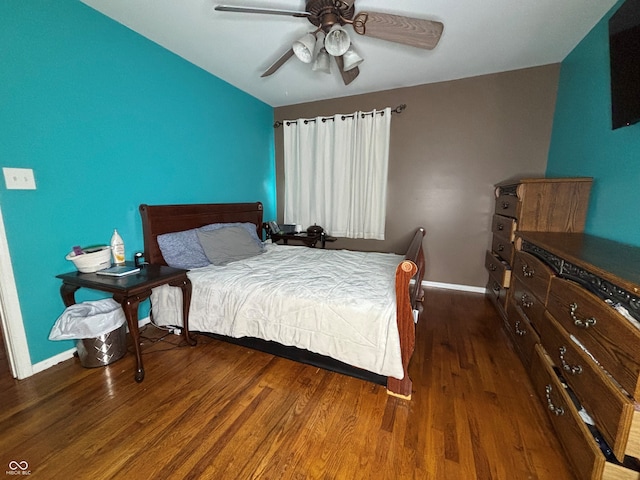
(337, 303)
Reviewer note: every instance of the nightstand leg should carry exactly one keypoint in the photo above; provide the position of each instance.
(130, 308)
(67, 292)
(185, 286)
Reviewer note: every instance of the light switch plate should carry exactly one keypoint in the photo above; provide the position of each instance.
(19, 178)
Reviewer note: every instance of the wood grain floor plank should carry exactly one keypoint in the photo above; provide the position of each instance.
(219, 410)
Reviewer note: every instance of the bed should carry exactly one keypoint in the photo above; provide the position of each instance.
(371, 298)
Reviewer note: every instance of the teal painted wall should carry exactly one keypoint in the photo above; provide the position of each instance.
(583, 143)
(109, 120)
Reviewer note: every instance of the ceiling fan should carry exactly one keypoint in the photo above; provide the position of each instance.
(331, 39)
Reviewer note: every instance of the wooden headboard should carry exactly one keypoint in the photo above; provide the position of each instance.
(159, 219)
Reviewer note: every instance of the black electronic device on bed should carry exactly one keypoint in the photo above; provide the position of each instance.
(286, 228)
(280, 228)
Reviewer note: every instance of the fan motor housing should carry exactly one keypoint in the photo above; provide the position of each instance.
(326, 13)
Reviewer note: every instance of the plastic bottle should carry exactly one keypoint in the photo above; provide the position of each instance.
(117, 248)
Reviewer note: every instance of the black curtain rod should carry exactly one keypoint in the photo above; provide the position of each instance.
(398, 109)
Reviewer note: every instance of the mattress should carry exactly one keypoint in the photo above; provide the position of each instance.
(337, 303)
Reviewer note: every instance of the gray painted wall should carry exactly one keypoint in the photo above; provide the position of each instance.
(449, 147)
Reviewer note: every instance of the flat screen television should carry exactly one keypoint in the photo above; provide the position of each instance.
(624, 56)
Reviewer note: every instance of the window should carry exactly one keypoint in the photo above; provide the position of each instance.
(336, 173)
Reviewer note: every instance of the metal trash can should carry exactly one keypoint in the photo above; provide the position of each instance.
(99, 329)
(104, 349)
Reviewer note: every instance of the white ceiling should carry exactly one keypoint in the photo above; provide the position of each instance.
(480, 37)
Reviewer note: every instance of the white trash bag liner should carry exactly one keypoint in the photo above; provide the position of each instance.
(88, 320)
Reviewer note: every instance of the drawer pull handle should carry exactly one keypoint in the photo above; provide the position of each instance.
(524, 300)
(500, 247)
(578, 322)
(528, 272)
(505, 205)
(572, 369)
(518, 330)
(492, 267)
(556, 410)
(500, 226)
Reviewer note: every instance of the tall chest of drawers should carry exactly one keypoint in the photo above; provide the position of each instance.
(530, 204)
(583, 351)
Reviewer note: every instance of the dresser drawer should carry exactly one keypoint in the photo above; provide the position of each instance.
(507, 205)
(504, 226)
(612, 411)
(581, 449)
(523, 335)
(498, 269)
(497, 294)
(610, 338)
(530, 305)
(533, 273)
(503, 248)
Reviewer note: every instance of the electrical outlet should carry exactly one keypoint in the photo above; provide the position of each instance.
(19, 178)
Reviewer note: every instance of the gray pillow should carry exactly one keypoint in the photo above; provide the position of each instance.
(183, 250)
(230, 244)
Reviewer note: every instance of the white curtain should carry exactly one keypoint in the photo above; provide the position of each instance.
(336, 173)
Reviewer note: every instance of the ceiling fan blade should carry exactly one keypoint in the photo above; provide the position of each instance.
(269, 11)
(278, 63)
(348, 76)
(415, 32)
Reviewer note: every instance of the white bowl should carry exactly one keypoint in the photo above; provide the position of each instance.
(99, 258)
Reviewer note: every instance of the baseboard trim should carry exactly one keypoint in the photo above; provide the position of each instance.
(61, 357)
(454, 286)
(52, 361)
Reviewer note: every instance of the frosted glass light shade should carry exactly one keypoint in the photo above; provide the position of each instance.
(321, 63)
(351, 60)
(337, 41)
(305, 47)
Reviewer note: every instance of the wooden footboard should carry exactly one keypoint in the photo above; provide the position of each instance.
(409, 275)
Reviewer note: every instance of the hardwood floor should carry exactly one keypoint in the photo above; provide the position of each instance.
(223, 411)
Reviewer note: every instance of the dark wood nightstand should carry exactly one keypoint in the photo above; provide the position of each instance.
(129, 291)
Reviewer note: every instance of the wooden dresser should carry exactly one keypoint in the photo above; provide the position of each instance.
(577, 298)
(530, 204)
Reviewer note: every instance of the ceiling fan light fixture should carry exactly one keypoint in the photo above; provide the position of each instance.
(351, 59)
(321, 63)
(304, 48)
(328, 18)
(337, 41)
